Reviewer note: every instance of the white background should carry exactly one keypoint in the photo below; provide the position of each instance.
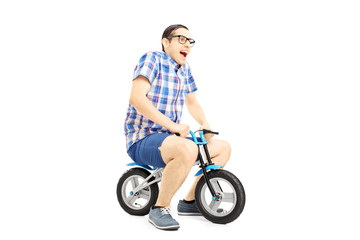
(278, 79)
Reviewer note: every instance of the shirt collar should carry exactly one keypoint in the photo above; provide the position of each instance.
(173, 63)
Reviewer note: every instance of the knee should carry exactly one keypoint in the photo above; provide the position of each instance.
(189, 150)
(226, 148)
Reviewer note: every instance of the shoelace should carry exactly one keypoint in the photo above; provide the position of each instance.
(165, 210)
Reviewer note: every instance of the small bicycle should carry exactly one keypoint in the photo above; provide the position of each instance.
(219, 194)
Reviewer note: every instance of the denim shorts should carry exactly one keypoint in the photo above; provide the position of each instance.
(146, 151)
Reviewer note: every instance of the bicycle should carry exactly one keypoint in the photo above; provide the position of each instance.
(219, 194)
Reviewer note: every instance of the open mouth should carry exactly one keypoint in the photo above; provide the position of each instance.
(184, 53)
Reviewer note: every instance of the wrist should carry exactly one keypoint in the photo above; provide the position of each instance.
(171, 126)
(205, 125)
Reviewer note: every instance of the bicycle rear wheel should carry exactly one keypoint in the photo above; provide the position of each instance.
(136, 203)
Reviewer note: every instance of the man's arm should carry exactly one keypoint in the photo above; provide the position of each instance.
(197, 112)
(141, 103)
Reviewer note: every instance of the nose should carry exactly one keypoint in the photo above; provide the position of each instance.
(187, 43)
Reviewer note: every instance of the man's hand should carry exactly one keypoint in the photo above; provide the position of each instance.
(182, 129)
(207, 136)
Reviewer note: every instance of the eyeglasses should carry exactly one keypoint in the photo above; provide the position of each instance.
(183, 39)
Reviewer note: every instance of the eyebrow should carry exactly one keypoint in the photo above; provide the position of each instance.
(183, 36)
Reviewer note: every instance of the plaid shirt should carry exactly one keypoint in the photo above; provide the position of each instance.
(170, 83)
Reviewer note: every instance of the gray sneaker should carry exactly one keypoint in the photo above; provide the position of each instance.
(161, 218)
(188, 209)
(191, 209)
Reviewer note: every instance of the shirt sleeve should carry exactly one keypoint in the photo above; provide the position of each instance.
(191, 86)
(147, 67)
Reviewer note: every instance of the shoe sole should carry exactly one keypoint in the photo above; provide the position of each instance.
(173, 227)
(188, 214)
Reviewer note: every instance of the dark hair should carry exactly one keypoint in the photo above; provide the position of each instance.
(169, 30)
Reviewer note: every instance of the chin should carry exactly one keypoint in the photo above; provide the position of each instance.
(181, 62)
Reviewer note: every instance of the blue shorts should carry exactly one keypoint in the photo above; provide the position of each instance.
(146, 151)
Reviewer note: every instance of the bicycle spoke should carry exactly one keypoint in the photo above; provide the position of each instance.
(216, 185)
(228, 197)
(134, 182)
(214, 205)
(144, 194)
(131, 199)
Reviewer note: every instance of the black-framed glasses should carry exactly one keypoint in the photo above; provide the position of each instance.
(183, 39)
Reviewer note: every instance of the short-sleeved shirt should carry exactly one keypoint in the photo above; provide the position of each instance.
(170, 83)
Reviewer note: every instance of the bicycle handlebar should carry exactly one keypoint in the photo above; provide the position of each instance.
(205, 131)
(202, 132)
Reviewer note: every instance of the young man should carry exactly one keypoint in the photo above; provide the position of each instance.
(162, 83)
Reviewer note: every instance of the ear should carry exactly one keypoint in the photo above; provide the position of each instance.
(165, 42)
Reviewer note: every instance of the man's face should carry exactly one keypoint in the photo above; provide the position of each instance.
(177, 51)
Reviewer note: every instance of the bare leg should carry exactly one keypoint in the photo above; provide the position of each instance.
(220, 153)
(179, 154)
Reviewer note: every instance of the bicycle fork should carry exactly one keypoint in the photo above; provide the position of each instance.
(203, 166)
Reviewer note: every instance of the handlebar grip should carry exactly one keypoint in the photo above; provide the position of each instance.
(205, 131)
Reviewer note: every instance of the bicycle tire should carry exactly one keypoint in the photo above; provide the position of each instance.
(211, 209)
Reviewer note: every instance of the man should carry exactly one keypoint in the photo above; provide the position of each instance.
(162, 83)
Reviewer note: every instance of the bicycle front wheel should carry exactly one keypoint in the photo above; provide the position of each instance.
(231, 197)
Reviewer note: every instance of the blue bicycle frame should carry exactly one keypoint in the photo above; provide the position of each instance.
(202, 142)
